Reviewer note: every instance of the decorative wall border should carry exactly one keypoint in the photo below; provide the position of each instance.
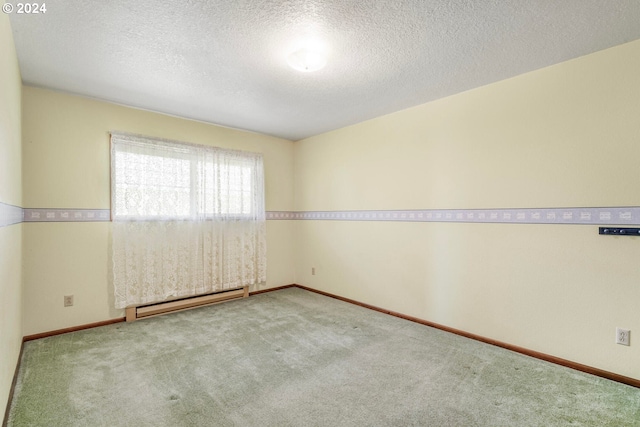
(583, 216)
(10, 214)
(577, 216)
(66, 215)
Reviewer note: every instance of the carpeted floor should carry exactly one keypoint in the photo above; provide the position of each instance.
(295, 358)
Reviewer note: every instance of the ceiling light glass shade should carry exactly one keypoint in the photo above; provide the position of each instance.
(307, 60)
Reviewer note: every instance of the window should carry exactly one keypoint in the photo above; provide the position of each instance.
(187, 219)
(158, 179)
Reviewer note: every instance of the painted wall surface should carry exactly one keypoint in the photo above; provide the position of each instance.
(11, 194)
(563, 136)
(66, 165)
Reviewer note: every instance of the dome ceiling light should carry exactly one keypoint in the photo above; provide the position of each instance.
(307, 60)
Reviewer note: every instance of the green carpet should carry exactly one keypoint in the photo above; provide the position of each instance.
(296, 358)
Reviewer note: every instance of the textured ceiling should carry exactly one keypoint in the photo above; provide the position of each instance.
(224, 62)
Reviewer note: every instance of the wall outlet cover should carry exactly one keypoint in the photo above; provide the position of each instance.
(623, 336)
(68, 300)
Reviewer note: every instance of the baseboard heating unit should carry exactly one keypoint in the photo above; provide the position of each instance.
(143, 311)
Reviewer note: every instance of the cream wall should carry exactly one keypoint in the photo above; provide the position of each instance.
(66, 165)
(10, 193)
(563, 136)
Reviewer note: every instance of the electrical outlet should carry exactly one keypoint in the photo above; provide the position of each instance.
(68, 300)
(623, 336)
(313, 271)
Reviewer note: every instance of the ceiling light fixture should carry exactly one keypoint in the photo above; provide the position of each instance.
(307, 60)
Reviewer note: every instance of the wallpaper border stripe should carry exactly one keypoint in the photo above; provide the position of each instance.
(66, 215)
(10, 215)
(576, 216)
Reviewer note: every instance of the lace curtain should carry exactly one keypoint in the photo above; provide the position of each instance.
(187, 219)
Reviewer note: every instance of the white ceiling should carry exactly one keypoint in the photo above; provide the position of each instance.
(224, 62)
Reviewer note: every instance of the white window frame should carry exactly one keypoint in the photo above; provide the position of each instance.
(253, 204)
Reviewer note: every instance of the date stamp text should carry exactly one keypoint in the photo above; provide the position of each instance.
(25, 8)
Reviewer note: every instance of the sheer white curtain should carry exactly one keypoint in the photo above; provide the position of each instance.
(187, 219)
